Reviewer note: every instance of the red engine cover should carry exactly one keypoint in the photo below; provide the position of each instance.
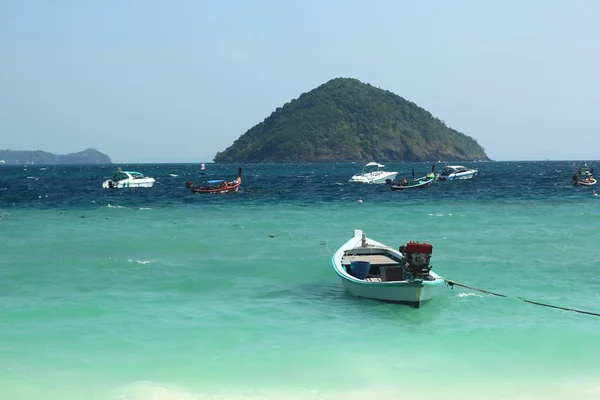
(416, 247)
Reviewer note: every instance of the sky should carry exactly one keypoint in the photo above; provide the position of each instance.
(148, 81)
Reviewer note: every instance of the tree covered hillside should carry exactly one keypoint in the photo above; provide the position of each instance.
(88, 156)
(345, 120)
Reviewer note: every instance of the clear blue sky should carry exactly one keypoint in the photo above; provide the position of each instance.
(177, 81)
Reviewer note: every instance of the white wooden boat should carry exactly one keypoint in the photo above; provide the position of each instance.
(455, 172)
(373, 270)
(128, 179)
(370, 175)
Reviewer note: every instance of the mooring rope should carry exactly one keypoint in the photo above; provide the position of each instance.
(451, 283)
(324, 243)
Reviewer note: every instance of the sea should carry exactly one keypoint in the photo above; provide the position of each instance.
(161, 294)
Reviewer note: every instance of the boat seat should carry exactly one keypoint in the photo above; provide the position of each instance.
(375, 260)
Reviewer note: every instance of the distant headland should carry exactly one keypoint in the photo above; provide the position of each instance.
(23, 157)
(345, 120)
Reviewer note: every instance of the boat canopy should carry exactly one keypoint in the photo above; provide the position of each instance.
(215, 181)
(374, 164)
(455, 168)
(118, 176)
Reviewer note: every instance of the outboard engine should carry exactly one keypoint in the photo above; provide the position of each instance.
(417, 257)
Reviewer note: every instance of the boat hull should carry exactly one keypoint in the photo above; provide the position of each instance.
(592, 182)
(419, 185)
(231, 189)
(414, 294)
(374, 178)
(127, 184)
(455, 177)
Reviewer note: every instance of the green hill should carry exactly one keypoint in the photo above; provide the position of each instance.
(345, 120)
(88, 156)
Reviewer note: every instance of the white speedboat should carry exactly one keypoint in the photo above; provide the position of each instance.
(373, 270)
(128, 179)
(370, 175)
(454, 172)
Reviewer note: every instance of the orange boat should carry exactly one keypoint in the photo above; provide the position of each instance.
(217, 186)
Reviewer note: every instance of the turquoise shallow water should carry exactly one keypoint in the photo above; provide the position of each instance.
(159, 294)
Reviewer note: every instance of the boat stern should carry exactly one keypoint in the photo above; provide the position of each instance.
(428, 291)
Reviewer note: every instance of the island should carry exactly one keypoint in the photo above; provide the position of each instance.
(23, 157)
(346, 120)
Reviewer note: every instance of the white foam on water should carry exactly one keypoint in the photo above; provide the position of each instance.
(153, 391)
(468, 295)
(420, 390)
(111, 206)
(139, 262)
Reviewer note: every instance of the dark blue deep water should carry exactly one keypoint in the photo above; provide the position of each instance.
(64, 187)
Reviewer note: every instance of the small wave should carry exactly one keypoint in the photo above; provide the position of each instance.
(439, 214)
(145, 208)
(32, 177)
(173, 175)
(468, 295)
(111, 206)
(140, 262)
(149, 390)
(146, 390)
